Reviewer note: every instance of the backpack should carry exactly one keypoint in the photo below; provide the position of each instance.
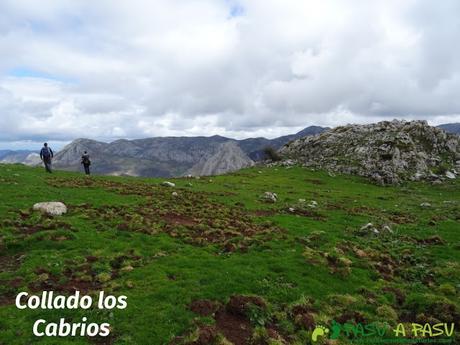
(46, 152)
(85, 160)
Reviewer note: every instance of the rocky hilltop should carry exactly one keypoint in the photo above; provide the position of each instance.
(387, 152)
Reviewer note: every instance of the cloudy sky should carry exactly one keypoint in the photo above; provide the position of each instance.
(111, 69)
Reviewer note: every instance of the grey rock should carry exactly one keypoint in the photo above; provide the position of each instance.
(269, 197)
(312, 204)
(369, 228)
(53, 208)
(168, 184)
(450, 175)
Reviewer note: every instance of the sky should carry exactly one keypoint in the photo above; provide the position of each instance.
(111, 69)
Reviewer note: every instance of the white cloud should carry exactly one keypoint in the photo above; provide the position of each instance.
(110, 69)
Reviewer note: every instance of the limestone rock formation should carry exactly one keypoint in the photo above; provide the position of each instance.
(229, 157)
(388, 152)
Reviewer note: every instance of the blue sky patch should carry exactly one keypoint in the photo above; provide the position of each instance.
(24, 72)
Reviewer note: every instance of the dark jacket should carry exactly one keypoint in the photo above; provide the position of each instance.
(85, 160)
(46, 152)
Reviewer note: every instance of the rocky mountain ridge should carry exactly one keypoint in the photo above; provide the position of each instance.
(171, 156)
(451, 127)
(387, 152)
(26, 157)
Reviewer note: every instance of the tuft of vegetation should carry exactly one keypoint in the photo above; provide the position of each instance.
(272, 154)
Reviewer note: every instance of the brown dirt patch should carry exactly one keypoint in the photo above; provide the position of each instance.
(235, 328)
(7, 298)
(432, 240)
(402, 218)
(306, 213)
(204, 307)
(314, 181)
(349, 316)
(231, 320)
(399, 295)
(264, 213)
(177, 219)
(207, 335)
(10, 263)
(239, 305)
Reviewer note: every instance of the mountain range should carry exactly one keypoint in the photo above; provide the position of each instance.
(26, 157)
(168, 156)
(451, 127)
(171, 156)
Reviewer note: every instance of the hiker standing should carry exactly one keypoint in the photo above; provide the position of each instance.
(86, 162)
(46, 155)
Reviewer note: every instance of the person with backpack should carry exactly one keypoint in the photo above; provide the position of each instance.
(46, 155)
(86, 162)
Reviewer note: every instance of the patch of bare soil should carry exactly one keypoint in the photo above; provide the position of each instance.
(401, 218)
(177, 219)
(306, 213)
(204, 307)
(231, 320)
(264, 213)
(235, 328)
(27, 223)
(314, 181)
(10, 263)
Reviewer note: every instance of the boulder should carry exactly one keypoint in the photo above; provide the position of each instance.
(313, 204)
(269, 197)
(168, 184)
(450, 174)
(53, 208)
(368, 228)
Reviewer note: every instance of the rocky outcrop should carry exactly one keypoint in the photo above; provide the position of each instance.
(228, 158)
(387, 152)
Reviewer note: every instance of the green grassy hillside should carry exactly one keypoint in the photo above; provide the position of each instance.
(215, 260)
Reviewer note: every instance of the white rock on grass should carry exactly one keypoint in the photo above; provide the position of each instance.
(269, 197)
(174, 194)
(168, 184)
(53, 208)
(313, 204)
(386, 228)
(425, 204)
(369, 227)
(450, 175)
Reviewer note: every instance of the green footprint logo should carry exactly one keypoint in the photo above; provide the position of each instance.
(319, 331)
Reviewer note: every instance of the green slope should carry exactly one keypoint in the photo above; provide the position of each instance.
(217, 239)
